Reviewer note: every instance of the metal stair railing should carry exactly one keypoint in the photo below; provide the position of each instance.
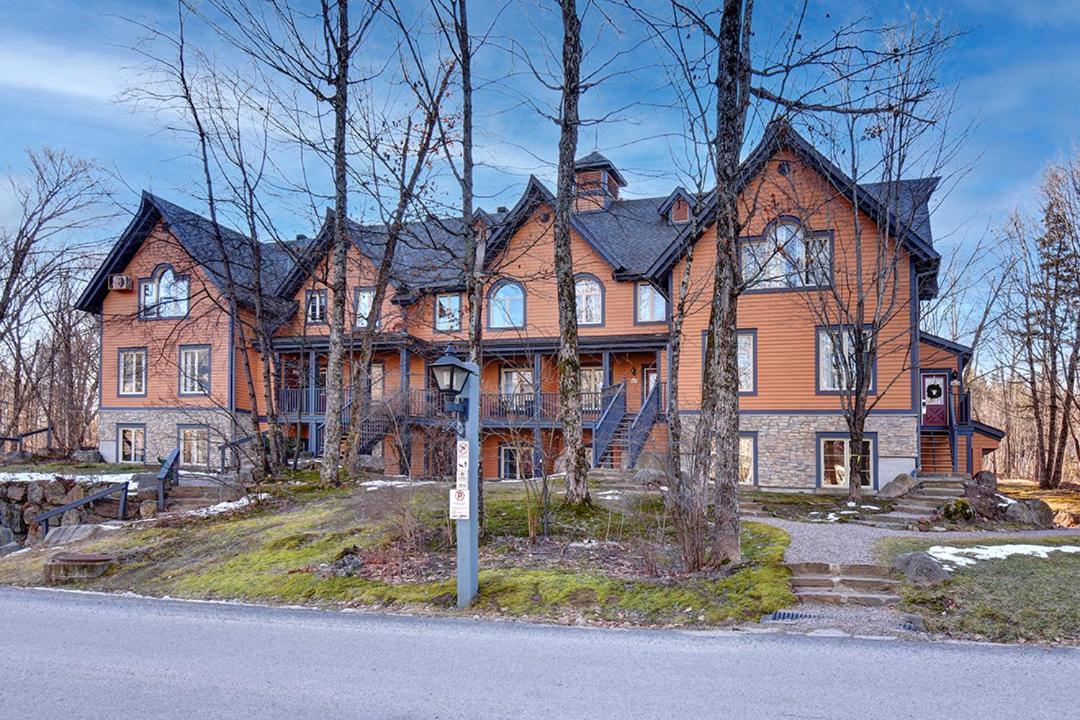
(169, 473)
(613, 404)
(122, 488)
(643, 423)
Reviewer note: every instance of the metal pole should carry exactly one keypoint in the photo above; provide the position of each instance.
(468, 531)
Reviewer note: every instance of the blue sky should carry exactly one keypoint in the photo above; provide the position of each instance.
(64, 63)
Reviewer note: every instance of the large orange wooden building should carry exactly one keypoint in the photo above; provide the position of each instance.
(181, 369)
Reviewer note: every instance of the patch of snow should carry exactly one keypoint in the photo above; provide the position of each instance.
(1008, 500)
(609, 495)
(225, 507)
(849, 512)
(370, 485)
(954, 557)
(870, 507)
(29, 477)
(851, 503)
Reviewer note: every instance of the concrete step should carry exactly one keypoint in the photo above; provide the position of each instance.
(819, 583)
(849, 598)
(839, 569)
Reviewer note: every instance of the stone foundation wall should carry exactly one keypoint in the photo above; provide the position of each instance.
(22, 502)
(163, 430)
(787, 445)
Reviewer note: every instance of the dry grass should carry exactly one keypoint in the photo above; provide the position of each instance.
(1065, 498)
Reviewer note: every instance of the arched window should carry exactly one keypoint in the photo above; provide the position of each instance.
(164, 294)
(590, 300)
(506, 306)
(787, 256)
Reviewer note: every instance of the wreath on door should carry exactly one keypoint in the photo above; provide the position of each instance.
(933, 392)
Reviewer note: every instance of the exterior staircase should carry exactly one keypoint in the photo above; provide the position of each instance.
(844, 584)
(935, 452)
(618, 450)
(923, 501)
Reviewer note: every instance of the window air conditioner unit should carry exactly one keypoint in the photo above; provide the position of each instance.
(120, 282)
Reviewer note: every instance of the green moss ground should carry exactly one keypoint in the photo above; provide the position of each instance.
(267, 555)
(1016, 599)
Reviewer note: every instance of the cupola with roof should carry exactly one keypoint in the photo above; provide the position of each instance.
(596, 182)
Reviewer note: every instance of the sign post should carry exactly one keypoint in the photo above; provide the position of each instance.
(467, 483)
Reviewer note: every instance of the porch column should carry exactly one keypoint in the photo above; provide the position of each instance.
(606, 372)
(312, 374)
(406, 430)
(537, 397)
(538, 453)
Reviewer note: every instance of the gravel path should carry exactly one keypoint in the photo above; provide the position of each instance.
(852, 543)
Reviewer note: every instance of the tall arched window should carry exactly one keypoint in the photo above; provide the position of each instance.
(164, 294)
(787, 256)
(590, 300)
(506, 306)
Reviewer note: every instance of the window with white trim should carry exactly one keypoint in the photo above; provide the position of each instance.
(787, 256)
(132, 445)
(315, 310)
(589, 296)
(164, 295)
(836, 358)
(506, 307)
(515, 462)
(363, 300)
(651, 303)
(448, 312)
(195, 370)
(747, 358)
(836, 462)
(194, 446)
(133, 372)
(747, 459)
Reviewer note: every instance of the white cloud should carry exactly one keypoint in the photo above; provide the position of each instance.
(55, 69)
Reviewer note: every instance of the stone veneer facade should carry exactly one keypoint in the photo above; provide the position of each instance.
(162, 428)
(787, 445)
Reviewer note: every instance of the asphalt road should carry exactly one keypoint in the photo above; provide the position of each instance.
(72, 655)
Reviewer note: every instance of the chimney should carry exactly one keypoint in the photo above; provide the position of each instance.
(596, 182)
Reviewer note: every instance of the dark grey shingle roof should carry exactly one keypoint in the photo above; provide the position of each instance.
(909, 202)
(633, 232)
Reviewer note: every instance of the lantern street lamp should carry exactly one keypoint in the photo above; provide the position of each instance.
(459, 383)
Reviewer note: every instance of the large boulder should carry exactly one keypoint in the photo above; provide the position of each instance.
(902, 484)
(652, 461)
(986, 480)
(148, 509)
(16, 492)
(55, 490)
(35, 492)
(75, 493)
(921, 568)
(649, 477)
(73, 533)
(14, 456)
(12, 518)
(1030, 512)
(1067, 519)
(88, 457)
(6, 536)
(146, 484)
(29, 512)
(369, 464)
(8, 548)
(74, 516)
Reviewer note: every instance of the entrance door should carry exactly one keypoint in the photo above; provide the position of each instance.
(935, 399)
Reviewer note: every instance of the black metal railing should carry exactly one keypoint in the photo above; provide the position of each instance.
(168, 474)
(613, 401)
(121, 488)
(963, 409)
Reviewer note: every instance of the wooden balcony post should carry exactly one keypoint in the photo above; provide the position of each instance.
(606, 372)
(311, 375)
(537, 396)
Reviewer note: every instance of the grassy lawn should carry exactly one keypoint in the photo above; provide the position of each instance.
(1066, 497)
(1014, 599)
(609, 564)
(815, 507)
(68, 467)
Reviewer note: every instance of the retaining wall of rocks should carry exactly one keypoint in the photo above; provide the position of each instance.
(22, 502)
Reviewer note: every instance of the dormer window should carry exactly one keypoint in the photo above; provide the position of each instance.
(163, 295)
(315, 307)
(676, 208)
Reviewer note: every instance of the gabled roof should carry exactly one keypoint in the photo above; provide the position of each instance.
(964, 351)
(909, 196)
(196, 234)
(596, 161)
(676, 194)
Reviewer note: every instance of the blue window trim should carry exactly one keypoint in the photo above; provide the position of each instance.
(524, 305)
(180, 427)
(155, 277)
(120, 371)
(603, 297)
(809, 234)
(119, 444)
(510, 446)
(752, 332)
(818, 329)
(867, 435)
(667, 304)
(753, 435)
(180, 370)
(307, 301)
(435, 312)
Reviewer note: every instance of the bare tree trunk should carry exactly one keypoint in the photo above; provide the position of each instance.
(339, 246)
(577, 467)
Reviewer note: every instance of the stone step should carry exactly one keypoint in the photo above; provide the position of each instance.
(848, 598)
(839, 569)
(916, 505)
(946, 493)
(897, 519)
(845, 584)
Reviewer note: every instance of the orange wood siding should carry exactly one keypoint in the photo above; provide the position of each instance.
(207, 323)
(785, 321)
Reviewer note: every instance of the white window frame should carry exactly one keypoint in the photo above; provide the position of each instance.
(190, 384)
(448, 320)
(747, 350)
(138, 445)
(650, 303)
(842, 474)
(833, 376)
(364, 299)
(747, 475)
(594, 384)
(319, 306)
(138, 387)
(157, 305)
(518, 451)
(590, 303)
(195, 450)
(499, 312)
(787, 257)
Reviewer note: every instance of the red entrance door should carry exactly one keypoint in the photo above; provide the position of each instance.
(935, 400)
